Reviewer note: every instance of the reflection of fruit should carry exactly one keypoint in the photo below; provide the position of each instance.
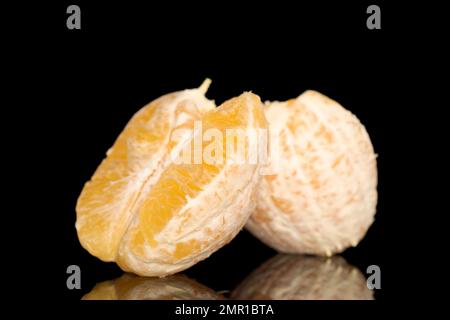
(322, 198)
(293, 277)
(155, 217)
(130, 287)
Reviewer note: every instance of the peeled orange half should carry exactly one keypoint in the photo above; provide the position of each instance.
(319, 195)
(155, 210)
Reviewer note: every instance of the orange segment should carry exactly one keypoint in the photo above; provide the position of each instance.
(156, 216)
(104, 206)
(181, 183)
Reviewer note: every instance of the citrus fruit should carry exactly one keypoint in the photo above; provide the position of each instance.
(299, 277)
(131, 287)
(319, 194)
(155, 211)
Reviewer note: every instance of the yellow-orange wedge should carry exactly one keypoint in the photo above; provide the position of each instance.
(156, 216)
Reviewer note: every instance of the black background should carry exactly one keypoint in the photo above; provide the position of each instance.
(127, 54)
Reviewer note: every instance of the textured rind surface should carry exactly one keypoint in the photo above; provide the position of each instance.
(322, 198)
(130, 287)
(294, 277)
(132, 226)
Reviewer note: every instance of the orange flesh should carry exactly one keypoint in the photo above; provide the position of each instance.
(113, 198)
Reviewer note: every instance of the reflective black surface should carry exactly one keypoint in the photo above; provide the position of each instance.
(127, 55)
(283, 277)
